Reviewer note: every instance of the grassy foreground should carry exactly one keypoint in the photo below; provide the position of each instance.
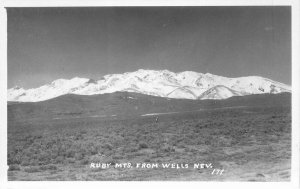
(249, 144)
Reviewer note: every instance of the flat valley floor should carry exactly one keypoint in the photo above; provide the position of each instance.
(248, 143)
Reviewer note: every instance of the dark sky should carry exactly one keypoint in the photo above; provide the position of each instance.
(45, 44)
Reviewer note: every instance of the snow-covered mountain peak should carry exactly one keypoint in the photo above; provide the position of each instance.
(163, 83)
(16, 87)
(209, 74)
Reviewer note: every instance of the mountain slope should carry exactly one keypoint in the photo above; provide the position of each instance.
(163, 83)
(125, 103)
(219, 92)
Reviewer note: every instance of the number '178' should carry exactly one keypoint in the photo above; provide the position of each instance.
(217, 172)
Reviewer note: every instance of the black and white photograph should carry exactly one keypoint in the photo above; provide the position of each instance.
(149, 93)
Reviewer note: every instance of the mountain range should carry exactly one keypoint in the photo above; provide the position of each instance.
(160, 83)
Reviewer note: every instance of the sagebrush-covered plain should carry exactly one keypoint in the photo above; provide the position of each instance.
(249, 137)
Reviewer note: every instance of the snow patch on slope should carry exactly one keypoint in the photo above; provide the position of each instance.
(219, 92)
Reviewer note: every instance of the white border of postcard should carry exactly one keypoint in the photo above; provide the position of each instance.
(190, 184)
